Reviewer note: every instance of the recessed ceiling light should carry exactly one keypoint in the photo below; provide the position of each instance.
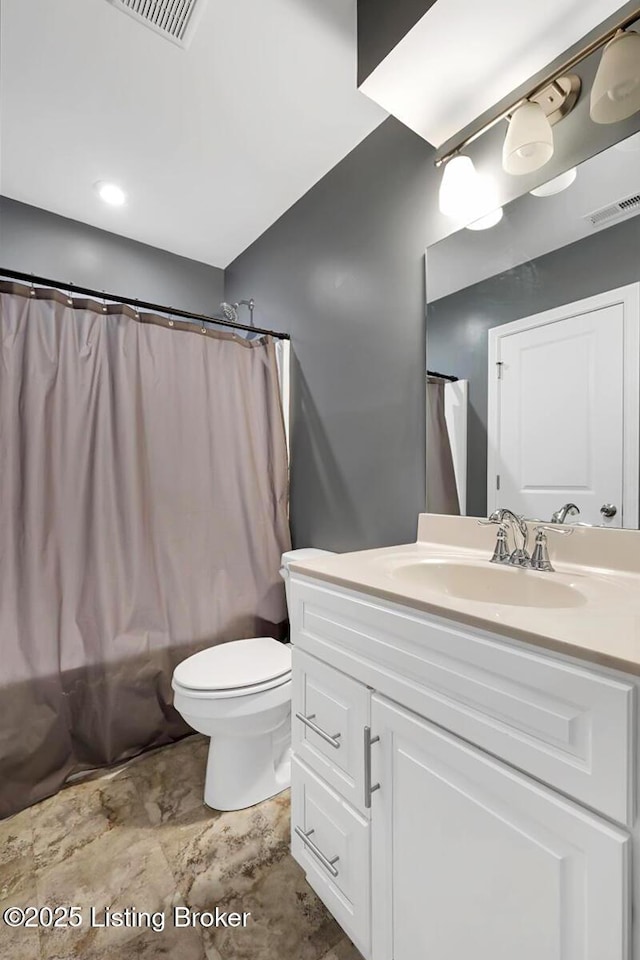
(111, 193)
(484, 223)
(557, 185)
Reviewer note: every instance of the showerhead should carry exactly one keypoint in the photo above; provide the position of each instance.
(230, 311)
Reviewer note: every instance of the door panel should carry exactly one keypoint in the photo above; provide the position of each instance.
(560, 415)
(479, 861)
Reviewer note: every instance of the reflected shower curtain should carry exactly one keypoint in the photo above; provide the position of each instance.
(442, 492)
(143, 512)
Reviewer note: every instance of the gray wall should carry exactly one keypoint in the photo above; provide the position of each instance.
(343, 271)
(457, 325)
(36, 241)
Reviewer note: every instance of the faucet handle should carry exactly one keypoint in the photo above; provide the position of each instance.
(540, 557)
(501, 550)
(543, 528)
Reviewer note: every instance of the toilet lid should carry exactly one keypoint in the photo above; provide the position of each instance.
(234, 665)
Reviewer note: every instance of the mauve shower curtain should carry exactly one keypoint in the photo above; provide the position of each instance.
(442, 492)
(143, 511)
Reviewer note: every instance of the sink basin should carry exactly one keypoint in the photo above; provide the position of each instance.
(490, 583)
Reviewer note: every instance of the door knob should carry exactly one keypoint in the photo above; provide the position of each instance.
(608, 510)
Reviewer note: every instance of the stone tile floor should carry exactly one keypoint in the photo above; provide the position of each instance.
(140, 837)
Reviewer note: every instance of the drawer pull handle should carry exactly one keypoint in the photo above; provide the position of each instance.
(368, 789)
(326, 863)
(308, 722)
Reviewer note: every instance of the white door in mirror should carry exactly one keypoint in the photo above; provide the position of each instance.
(564, 410)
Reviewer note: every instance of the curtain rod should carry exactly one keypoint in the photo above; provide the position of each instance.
(138, 304)
(443, 376)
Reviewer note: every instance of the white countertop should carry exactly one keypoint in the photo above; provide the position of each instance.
(604, 628)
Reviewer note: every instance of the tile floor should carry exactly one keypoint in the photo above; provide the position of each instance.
(141, 837)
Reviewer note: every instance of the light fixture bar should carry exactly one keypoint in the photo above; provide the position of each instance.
(548, 80)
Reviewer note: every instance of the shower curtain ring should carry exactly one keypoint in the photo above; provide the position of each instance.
(104, 303)
(32, 291)
(69, 297)
(170, 320)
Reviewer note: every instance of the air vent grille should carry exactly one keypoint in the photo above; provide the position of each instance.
(615, 211)
(630, 202)
(173, 19)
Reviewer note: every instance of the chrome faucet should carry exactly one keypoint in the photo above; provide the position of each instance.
(569, 509)
(519, 556)
(507, 519)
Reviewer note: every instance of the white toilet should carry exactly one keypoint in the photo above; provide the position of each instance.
(239, 694)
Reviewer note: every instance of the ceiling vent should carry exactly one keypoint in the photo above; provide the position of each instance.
(174, 19)
(614, 211)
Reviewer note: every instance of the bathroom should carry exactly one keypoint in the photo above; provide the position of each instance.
(242, 316)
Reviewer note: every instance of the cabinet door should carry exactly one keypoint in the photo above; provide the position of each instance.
(474, 860)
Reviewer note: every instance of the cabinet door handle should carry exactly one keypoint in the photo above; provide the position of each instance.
(308, 722)
(368, 789)
(317, 852)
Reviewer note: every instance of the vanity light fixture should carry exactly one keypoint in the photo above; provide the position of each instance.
(110, 193)
(488, 221)
(529, 141)
(459, 187)
(557, 185)
(615, 94)
(464, 193)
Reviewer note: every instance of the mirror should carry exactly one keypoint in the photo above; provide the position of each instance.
(538, 318)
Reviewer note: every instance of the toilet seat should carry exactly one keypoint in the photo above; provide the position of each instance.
(234, 669)
(199, 694)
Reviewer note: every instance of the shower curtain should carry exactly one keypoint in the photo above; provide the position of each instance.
(143, 512)
(442, 492)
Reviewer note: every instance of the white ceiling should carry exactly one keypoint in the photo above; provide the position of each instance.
(533, 226)
(463, 56)
(212, 144)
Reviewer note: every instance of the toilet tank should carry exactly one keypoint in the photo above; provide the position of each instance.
(292, 556)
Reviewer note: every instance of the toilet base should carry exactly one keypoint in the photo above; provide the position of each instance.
(243, 771)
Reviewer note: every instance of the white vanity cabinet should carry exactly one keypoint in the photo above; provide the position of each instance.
(465, 795)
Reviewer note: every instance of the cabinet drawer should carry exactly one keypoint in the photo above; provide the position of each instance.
(331, 843)
(568, 726)
(329, 714)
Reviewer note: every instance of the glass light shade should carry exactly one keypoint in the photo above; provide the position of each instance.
(459, 187)
(557, 185)
(488, 221)
(615, 94)
(528, 144)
